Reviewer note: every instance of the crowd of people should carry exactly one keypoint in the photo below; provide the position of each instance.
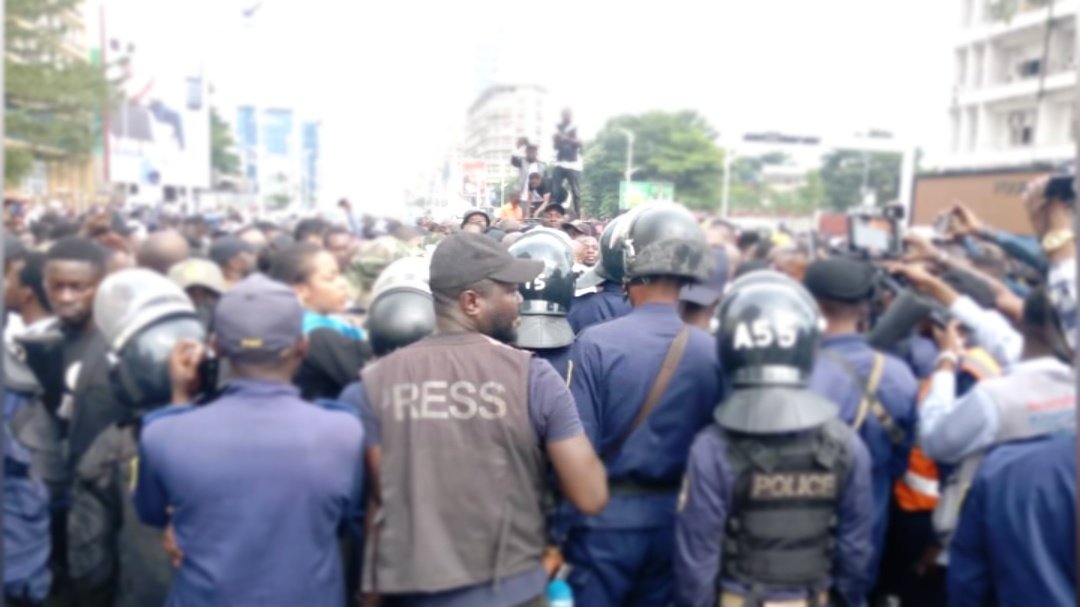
(660, 409)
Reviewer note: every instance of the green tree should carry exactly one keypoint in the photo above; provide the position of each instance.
(223, 157)
(842, 174)
(52, 96)
(675, 147)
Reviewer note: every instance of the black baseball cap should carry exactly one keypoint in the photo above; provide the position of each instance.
(840, 279)
(465, 259)
(265, 335)
(225, 248)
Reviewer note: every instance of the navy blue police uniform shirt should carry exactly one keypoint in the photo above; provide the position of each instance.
(898, 392)
(708, 501)
(615, 364)
(553, 418)
(559, 358)
(1015, 543)
(607, 303)
(259, 483)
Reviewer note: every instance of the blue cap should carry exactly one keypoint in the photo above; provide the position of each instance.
(258, 320)
(708, 293)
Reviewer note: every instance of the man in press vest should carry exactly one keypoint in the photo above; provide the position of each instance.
(460, 427)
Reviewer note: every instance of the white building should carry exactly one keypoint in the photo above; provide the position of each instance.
(1014, 85)
(502, 114)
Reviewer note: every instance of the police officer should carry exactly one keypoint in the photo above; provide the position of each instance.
(698, 303)
(1016, 541)
(645, 384)
(114, 559)
(876, 392)
(26, 496)
(458, 427)
(777, 506)
(547, 298)
(258, 482)
(599, 295)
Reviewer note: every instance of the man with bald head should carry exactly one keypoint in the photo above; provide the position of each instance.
(162, 250)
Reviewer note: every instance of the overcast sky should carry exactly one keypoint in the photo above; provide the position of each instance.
(391, 80)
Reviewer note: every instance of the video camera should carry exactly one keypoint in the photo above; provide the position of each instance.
(875, 233)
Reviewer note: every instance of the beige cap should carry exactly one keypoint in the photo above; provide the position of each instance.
(198, 273)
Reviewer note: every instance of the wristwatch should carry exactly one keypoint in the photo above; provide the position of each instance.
(947, 355)
(1057, 239)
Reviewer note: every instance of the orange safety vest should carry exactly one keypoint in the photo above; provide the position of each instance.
(918, 489)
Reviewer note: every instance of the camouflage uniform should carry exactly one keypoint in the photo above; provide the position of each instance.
(372, 259)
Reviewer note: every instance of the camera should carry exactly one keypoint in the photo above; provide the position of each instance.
(875, 233)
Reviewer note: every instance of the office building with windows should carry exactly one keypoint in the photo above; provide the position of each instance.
(1015, 82)
(279, 155)
(499, 116)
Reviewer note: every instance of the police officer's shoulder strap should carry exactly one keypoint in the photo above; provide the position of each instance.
(870, 403)
(659, 385)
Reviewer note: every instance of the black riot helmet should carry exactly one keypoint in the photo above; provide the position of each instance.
(611, 267)
(402, 310)
(769, 332)
(546, 299)
(399, 317)
(142, 316)
(139, 373)
(664, 239)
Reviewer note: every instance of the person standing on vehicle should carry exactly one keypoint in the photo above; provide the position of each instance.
(568, 166)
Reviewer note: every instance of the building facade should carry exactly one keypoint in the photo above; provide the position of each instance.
(54, 174)
(500, 115)
(1014, 84)
(280, 156)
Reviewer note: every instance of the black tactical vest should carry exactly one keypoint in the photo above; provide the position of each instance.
(782, 530)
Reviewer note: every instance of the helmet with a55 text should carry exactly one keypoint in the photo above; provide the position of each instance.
(769, 332)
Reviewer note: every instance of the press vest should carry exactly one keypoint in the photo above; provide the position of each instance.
(462, 474)
(782, 530)
(1030, 403)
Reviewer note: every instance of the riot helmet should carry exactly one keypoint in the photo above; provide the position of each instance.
(403, 310)
(142, 316)
(664, 239)
(610, 268)
(769, 332)
(139, 372)
(546, 299)
(411, 272)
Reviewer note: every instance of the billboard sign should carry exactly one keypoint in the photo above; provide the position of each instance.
(159, 131)
(644, 191)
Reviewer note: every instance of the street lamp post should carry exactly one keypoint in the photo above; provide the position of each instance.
(629, 158)
(725, 192)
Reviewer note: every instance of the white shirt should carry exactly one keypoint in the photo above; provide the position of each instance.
(991, 331)
(951, 428)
